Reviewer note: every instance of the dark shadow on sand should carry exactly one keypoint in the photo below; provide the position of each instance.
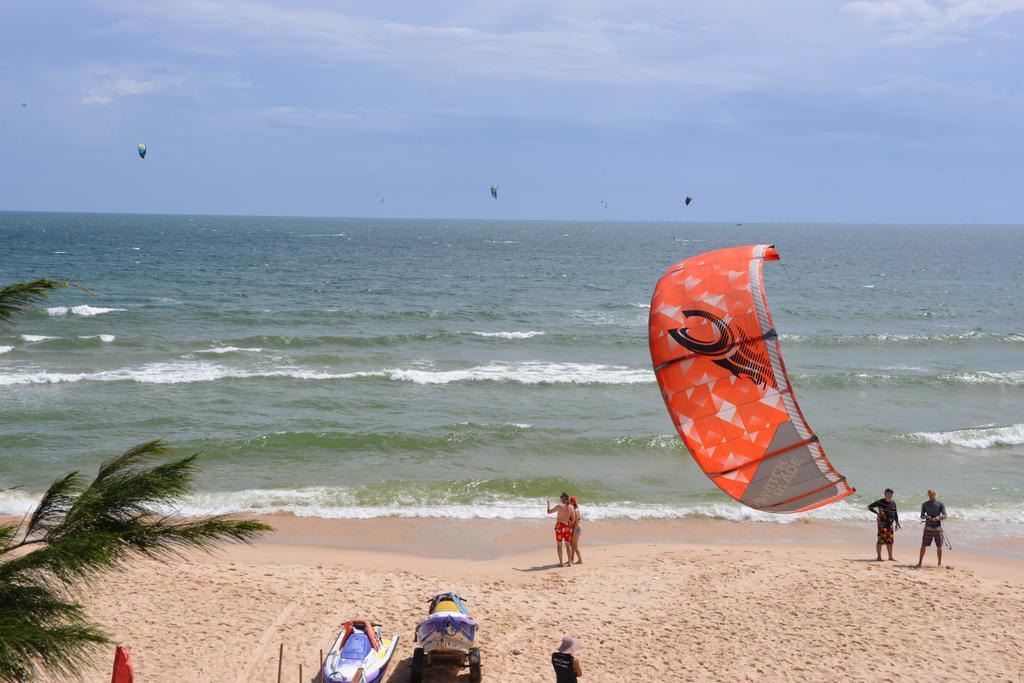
(538, 568)
(435, 674)
(871, 561)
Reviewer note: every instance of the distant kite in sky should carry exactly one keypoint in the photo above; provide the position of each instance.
(381, 198)
(605, 204)
(494, 191)
(688, 200)
(142, 150)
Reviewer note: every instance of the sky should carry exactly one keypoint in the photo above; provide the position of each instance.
(830, 111)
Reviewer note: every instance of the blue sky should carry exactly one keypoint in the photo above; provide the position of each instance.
(793, 110)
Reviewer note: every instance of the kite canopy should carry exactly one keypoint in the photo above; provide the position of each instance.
(142, 150)
(717, 359)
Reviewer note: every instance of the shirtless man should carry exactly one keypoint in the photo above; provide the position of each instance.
(563, 527)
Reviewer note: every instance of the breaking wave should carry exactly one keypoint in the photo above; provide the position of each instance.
(474, 499)
(528, 372)
(510, 335)
(83, 310)
(986, 436)
(906, 376)
(884, 339)
(231, 349)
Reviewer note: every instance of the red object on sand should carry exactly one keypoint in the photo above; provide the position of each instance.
(124, 672)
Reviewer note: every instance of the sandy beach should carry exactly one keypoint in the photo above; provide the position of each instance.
(685, 600)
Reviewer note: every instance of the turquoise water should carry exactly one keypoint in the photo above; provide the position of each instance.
(356, 367)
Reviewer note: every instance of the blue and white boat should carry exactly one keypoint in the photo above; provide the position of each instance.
(360, 647)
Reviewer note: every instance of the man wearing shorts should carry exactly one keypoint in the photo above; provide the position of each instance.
(563, 527)
(932, 514)
(888, 522)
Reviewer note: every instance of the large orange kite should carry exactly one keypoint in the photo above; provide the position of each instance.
(716, 356)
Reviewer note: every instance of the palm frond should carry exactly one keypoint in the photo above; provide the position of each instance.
(130, 457)
(78, 558)
(19, 296)
(40, 631)
(7, 534)
(77, 534)
(171, 536)
(54, 505)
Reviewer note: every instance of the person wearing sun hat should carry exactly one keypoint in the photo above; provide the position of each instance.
(567, 666)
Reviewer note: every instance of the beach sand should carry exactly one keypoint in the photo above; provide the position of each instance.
(667, 601)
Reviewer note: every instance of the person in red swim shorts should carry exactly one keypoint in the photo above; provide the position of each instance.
(563, 527)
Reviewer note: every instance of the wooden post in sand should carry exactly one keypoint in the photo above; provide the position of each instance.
(300, 673)
(280, 656)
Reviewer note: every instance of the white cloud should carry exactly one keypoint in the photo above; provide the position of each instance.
(929, 21)
(114, 86)
(588, 48)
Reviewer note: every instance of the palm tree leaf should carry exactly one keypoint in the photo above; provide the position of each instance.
(54, 505)
(19, 296)
(39, 630)
(7, 534)
(82, 533)
(130, 457)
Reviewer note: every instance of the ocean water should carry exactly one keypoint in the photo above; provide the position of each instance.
(358, 367)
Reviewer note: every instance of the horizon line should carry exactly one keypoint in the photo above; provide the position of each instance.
(511, 220)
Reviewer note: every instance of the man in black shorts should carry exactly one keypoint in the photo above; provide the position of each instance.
(932, 514)
(888, 522)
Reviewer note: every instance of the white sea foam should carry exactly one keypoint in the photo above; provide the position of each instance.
(905, 367)
(339, 503)
(975, 437)
(986, 377)
(37, 337)
(894, 338)
(231, 349)
(5, 349)
(529, 372)
(594, 317)
(83, 310)
(510, 335)
(173, 373)
(16, 503)
(185, 372)
(660, 441)
(105, 338)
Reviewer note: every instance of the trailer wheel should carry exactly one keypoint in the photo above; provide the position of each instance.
(475, 675)
(416, 671)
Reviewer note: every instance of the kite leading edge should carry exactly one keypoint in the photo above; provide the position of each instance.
(718, 363)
